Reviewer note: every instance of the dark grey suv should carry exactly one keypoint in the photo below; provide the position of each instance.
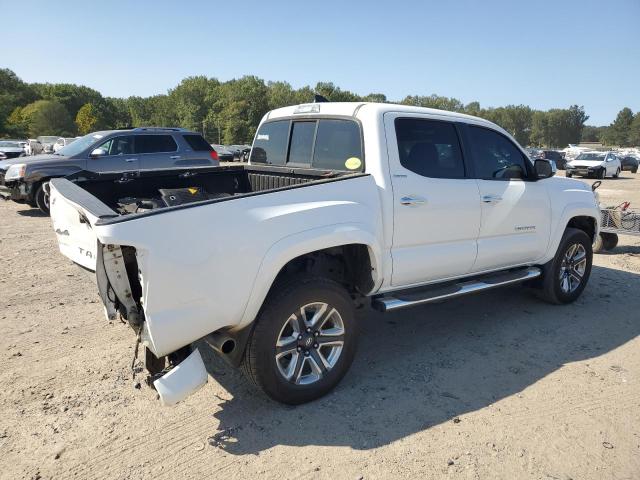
(26, 179)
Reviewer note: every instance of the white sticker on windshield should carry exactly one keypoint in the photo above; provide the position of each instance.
(98, 137)
(263, 136)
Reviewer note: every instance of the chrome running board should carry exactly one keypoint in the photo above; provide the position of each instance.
(434, 293)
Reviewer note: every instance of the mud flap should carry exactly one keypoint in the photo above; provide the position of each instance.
(183, 380)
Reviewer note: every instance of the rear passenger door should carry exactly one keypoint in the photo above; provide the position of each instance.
(516, 211)
(156, 151)
(117, 155)
(436, 206)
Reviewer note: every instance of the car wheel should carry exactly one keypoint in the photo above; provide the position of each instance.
(617, 174)
(565, 277)
(602, 173)
(609, 240)
(42, 198)
(635, 170)
(598, 243)
(304, 340)
(569, 175)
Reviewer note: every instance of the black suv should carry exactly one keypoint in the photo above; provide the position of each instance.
(25, 179)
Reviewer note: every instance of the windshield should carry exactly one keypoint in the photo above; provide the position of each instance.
(591, 156)
(48, 139)
(81, 144)
(10, 145)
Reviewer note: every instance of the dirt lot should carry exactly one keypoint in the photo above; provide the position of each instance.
(497, 385)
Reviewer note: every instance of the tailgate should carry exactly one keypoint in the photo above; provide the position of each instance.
(74, 211)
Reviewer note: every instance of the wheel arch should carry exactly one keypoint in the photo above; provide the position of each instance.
(346, 249)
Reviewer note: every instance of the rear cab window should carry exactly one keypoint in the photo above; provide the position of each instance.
(429, 148)
(324, 144)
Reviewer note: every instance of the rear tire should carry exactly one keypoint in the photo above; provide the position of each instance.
(566, 276)
(598, 244)
(42, 199)
(609, 240)
(285, 356)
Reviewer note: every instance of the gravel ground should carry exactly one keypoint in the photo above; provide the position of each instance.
(497, 385)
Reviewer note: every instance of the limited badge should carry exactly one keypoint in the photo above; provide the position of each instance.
(353, 163)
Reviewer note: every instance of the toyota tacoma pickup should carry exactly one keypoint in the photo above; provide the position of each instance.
(340, 204)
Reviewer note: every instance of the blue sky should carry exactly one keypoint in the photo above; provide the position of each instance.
(540, 53)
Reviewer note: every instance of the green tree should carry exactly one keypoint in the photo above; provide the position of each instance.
(620, 131)
(634, 134)
(14, 93)
(434, 101)
(191, 101)
(73, 97)
(86, 119)
(46, 117)
(16, 125)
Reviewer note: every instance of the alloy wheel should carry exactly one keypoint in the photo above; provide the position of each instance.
(310, 343)
(573, 267)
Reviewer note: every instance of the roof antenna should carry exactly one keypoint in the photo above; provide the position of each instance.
(317, 98)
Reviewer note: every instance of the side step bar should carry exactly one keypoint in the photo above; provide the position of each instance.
(418, 296)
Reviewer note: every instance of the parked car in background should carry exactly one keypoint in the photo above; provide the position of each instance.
(26, 179)
(595, 164)
(534, 153)
(240, 152)
(555, 156)
(47, 142)
(11, 149)
(224, 153)
(63, 142)
(630, 163)
(318, 230)
(33, 147)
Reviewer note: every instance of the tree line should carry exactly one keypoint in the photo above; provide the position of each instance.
(229, 112)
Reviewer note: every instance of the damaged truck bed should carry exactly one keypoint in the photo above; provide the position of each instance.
(171, 247)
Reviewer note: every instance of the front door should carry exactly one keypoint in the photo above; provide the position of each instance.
(516, 211)
(116, 155)
(436, 206)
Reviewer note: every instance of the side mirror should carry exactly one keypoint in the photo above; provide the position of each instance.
(98, 152)
(543, 168)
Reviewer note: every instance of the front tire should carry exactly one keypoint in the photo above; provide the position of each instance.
(304, 340)
(42, 198)
(566, 276)
(602, 173)
(617, 174)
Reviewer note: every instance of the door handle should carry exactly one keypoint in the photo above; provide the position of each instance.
(174, 157)
(491, 198)
(412, 201)
(129, 160)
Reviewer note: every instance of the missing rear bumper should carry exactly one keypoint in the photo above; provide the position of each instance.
(181, 381)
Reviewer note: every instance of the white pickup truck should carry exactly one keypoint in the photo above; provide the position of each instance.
(341, 204)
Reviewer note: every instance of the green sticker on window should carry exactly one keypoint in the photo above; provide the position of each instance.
(353, 163)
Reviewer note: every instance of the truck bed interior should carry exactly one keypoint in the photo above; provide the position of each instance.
(141, 192)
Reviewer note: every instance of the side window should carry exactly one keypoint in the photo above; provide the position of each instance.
(338, 146)
(270, 145)
(429, 148)
(118, 146)
(155, 144)
(302, 134)
(495, 156)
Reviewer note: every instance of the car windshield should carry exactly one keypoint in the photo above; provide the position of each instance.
(10, 145)
(48, 139)
(81, 144)
(591, 156)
